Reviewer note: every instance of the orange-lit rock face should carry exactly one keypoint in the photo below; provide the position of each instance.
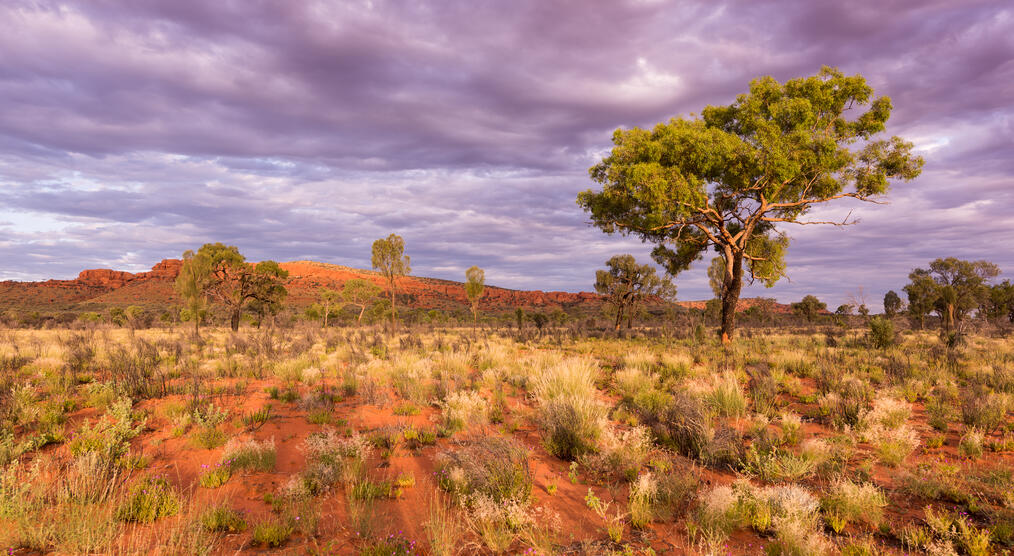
(167, 268)
(104, 277)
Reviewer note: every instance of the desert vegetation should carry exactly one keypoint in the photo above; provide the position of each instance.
(459, 440)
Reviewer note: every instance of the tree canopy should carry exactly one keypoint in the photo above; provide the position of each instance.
(360, 293)
(950, 287)
(892, 303)
(727, 178)
(222, 274)
(625, 284)
(1000, 305)
(809, 307)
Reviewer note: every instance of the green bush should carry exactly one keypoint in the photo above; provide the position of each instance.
(215, 477)
(881, 333)
(494, 467)
(149, 500)
(250, 455)
(272, 533)
(223, 519)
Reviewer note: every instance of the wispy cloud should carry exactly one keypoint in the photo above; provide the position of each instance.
(134, 130)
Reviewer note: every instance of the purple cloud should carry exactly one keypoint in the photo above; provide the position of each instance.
(134, 130)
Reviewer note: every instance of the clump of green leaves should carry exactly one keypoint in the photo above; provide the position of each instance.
(149, 499)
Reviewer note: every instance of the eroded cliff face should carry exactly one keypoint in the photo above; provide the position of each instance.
(306, 279)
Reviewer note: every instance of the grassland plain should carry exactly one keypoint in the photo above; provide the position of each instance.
(358, 441)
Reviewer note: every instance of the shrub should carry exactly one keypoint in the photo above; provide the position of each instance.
(939, 414)
(683, 423)
(763, 390)
(272, 533)
(215, 477)
(573, 426)
(463, 408)
(726, 396)
(643, 499)
(893, 445)
(250, 455)
(887, 412)
(108, 436)
(848, 403)
(149, 500)
(881, 333)
(850, 501)
(207, 438)
(970, 444)
(494, 467)
(620, 455)
(443, 528)
(982, 409)
(331, 459)
(392, 545)
(222, 519)
(791, 426)
(568, 410)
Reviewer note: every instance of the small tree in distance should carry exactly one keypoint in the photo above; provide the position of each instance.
(625, 284)
(809, 307)
(191, 285)
(951, 287)
(360, 293)
(236, 283)
(892, 304)
(389, 258)
(475, 284)
(329, 299)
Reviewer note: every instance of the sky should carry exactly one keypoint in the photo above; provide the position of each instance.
(132, 130)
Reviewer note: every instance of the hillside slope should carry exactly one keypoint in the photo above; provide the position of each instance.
(100, 288)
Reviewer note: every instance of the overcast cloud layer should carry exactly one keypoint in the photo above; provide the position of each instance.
(132, 130)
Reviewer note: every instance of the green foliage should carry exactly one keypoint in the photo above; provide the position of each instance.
(389, 258)
(881, 332)
(892, 304)
(149, 499)
(207, 438)
(625, 284)
(223, 519)
(726, 178)
(392, 545)
(273, 532)
(494, 467)
(475, 283)
(360, 293)
(220, 273)
(951, 287)
(809, 307)
(250, 455)
(215, 477)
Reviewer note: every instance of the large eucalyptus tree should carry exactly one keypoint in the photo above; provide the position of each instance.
(727, 179)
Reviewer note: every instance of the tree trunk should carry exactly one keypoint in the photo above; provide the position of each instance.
(394, 314)
(730, 298)
(619, 317)
(235, 319)
(326, 311)
(362, 309)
